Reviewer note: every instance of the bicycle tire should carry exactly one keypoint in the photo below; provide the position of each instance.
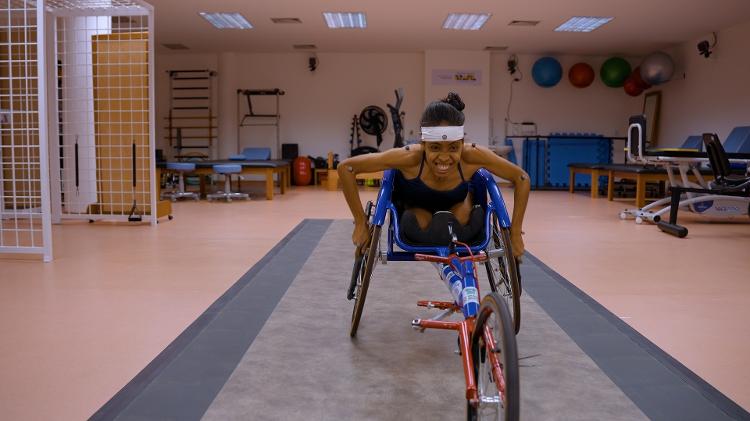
(363, 283)
(507, 268)
(507, 350)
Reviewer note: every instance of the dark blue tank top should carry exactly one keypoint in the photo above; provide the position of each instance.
(414, 193)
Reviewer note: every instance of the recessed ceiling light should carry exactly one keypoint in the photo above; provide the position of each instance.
(227, 20)
(582, 24)
(286, 20)
(338, 20)
(503, 48)
(304, 46)
(524, 23)
(465, 21)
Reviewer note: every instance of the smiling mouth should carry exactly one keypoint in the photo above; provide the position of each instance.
(442, 167)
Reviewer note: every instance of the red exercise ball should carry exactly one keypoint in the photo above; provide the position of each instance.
(581, 75)
(631, 87)
(302, 171)
(636, 75)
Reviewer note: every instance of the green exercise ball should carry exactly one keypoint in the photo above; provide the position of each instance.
(614, 71)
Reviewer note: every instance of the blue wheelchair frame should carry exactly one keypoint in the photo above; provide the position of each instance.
(384, 205)
(481, 183)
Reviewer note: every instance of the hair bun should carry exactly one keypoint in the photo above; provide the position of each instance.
(455, 100)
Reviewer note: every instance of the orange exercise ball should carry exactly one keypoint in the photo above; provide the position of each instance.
(302, 171)
(581, 75)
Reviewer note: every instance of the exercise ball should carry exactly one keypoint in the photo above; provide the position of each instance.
(657, 68)
(632, 87)
(614, 71)
(581, 75)
(302, 171)
(546, 72)
(636, 75)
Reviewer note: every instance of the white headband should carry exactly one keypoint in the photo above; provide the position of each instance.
(442, 133)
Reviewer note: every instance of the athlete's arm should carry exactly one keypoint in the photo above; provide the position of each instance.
(398, 158)
(481, 156)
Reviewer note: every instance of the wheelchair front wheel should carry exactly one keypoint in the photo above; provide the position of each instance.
(498, 389)
(363, 274)
(503, 274)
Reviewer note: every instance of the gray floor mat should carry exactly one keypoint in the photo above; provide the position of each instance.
(303, 365)
(275, 346)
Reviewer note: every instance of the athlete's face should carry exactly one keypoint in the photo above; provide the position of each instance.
(443, 157)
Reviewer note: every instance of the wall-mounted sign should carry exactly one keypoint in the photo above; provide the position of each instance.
(456, 77)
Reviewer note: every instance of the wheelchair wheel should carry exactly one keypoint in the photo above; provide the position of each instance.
(494, 323)
(363, 274)
(503, 274)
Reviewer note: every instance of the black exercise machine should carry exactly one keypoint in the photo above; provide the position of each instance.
(724, 184)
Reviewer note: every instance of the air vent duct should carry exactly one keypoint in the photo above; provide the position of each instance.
(176, 46)
(286, 20)
(524, 23)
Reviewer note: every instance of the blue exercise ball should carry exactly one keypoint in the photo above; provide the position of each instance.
(547, 72)
(657, 68)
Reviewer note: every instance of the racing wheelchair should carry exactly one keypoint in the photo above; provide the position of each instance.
(487, 333)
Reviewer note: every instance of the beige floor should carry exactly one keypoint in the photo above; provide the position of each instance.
(76, 330)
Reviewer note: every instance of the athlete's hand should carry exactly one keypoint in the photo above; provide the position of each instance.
(361, 237)
(517, 243)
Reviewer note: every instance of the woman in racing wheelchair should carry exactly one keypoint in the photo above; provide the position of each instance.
(432, 181)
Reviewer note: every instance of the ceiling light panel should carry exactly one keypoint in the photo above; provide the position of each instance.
(339, 20)
(582, 24)
(226, 20)
(465, 21)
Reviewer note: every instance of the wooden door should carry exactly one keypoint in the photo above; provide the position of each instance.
(121, 118)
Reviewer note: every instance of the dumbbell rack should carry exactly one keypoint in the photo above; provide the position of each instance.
(192, 121)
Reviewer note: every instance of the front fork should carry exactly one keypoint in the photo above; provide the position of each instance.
(497, 368)
(464, 329)
(468, 301)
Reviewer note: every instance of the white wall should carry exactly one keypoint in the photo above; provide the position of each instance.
(318, 107)
(563, 107)
(165, 62)
(476, 97)
(707, 95)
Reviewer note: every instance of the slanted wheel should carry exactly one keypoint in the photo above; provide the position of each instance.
(498, 389)
(361, 276)
(503, 274)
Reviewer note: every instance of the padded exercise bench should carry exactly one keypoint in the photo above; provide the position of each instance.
(267, 168)
(642, 174)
